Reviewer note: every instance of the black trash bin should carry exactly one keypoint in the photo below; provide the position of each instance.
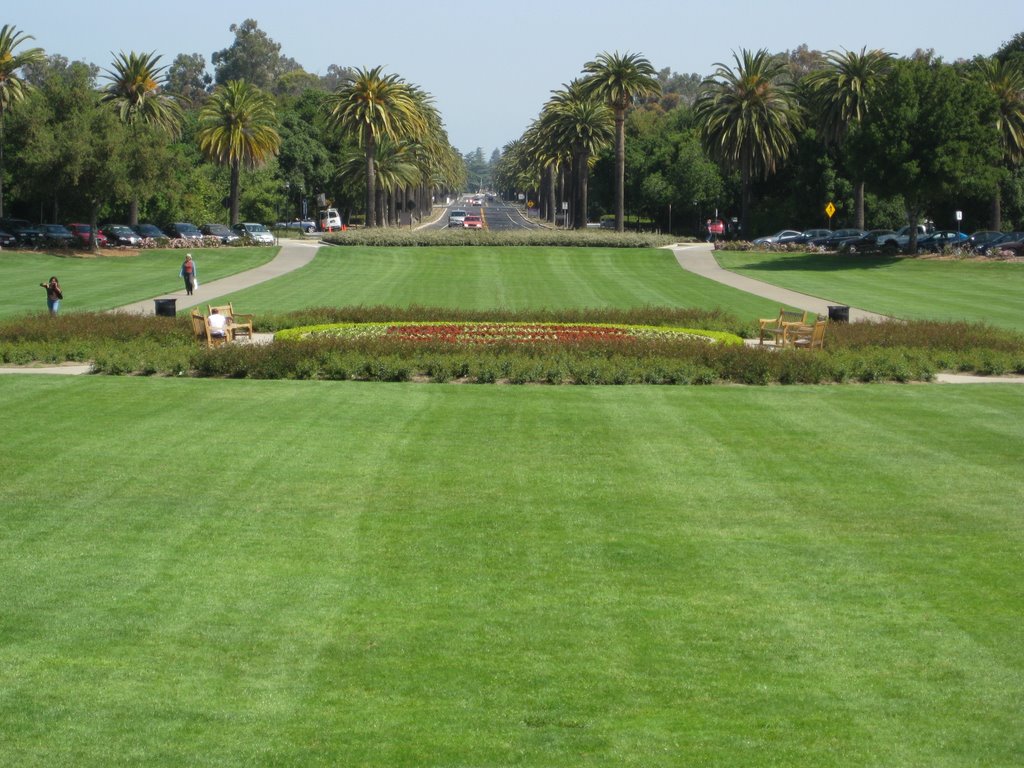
(165, 307)
(839, 314)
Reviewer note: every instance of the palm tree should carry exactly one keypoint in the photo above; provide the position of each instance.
(238, 127)
(748, 118)
(842, 92)
(1006, 81)
(135, 90)
(620, 79)
(374, 106)
(580, 126)
(12, 88)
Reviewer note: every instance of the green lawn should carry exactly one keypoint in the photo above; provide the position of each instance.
(238, 573)
(111, 281)
(921, 289)
(487, 278)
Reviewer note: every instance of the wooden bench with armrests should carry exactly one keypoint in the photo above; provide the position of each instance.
(806, 336)
(203, 332)
(239, 324)
(776, 326)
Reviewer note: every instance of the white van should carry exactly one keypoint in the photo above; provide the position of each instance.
(330, 220)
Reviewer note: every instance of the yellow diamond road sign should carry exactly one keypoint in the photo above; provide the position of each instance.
(830, 210)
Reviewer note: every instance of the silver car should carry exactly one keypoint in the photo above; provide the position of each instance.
(254, 233)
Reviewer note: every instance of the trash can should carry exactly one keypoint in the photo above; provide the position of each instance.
(839, 314)
(165, 307)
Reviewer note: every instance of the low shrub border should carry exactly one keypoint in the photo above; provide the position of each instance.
(122, 344)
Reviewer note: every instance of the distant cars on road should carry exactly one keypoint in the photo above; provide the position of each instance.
(472, 221)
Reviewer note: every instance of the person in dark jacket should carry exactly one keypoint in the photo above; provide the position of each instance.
(53, 295)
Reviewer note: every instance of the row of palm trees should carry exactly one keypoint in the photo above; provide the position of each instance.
(748, 115)
(238, 127)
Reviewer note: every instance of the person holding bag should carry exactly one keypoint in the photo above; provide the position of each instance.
(188, 271)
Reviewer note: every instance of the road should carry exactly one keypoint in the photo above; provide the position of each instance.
(496, 215)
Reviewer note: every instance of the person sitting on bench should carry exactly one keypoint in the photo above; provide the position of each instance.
(218, 324)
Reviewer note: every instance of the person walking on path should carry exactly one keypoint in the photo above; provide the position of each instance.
(188, 271)
(53, 295)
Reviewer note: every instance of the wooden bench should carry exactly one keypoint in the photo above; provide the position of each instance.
(806, 336)
(203, 332)
(776, 326)
(239, 324)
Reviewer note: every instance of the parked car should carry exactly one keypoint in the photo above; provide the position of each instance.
(984, 237)
(996, 245)
(298, 225)
(330, 220)
(83, 235)
(121, 235)
(251, 232)
(456, 218)
(472, 221)
(941, 239)
(183, 230)
(901, 239)
(811, 234)
(149, 230)
(7, 240)
(227, 235)
(58, 235)
(1016, 247)
(781, 237)
(869, 241)
(833, 240)
(25, 233)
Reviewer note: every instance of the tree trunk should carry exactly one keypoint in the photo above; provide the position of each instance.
(579, 220)
(995, 220)
(234, 192)
(620, 169)
(371, 181)
(133, 212)
(1, 164)
(858, 198)
(745, 195)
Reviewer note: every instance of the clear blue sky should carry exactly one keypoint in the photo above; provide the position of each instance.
(490, 66)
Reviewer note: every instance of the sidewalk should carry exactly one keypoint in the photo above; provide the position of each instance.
(699, 258)
(293, 254)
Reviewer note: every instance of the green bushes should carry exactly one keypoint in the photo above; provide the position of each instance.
(561, 238)
(121, 344)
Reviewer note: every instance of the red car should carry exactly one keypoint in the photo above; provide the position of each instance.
(472, 221)
(82, 232)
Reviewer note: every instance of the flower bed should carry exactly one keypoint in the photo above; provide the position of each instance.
(478, 333)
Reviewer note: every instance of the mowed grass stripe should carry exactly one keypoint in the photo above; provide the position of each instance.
(488, 278)
(410, 574)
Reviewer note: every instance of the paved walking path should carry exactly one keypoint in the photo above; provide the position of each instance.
(293, 254)
(697, 258)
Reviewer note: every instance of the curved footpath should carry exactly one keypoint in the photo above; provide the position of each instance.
(697, 258)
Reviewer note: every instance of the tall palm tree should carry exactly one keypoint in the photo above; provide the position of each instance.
(842, 94)
(748, 118)
(238, 128)
(373, 106)
(135, 90)
(1006, 81)
(620, 79)
(12, 88)
(581, 126)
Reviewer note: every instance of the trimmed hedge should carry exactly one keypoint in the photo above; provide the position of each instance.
(586, 238)
(123, 344)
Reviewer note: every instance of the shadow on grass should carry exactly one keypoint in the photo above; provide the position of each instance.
(820, 262)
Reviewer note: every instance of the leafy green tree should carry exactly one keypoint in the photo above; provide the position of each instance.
(12, 87)
(238, 128)
(253, 57)
(842, 92)
(373, 106)
(188, 79)
(620, 79)
(748, 118)
(930, 137)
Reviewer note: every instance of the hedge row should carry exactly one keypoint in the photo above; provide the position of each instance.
(561, 238)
